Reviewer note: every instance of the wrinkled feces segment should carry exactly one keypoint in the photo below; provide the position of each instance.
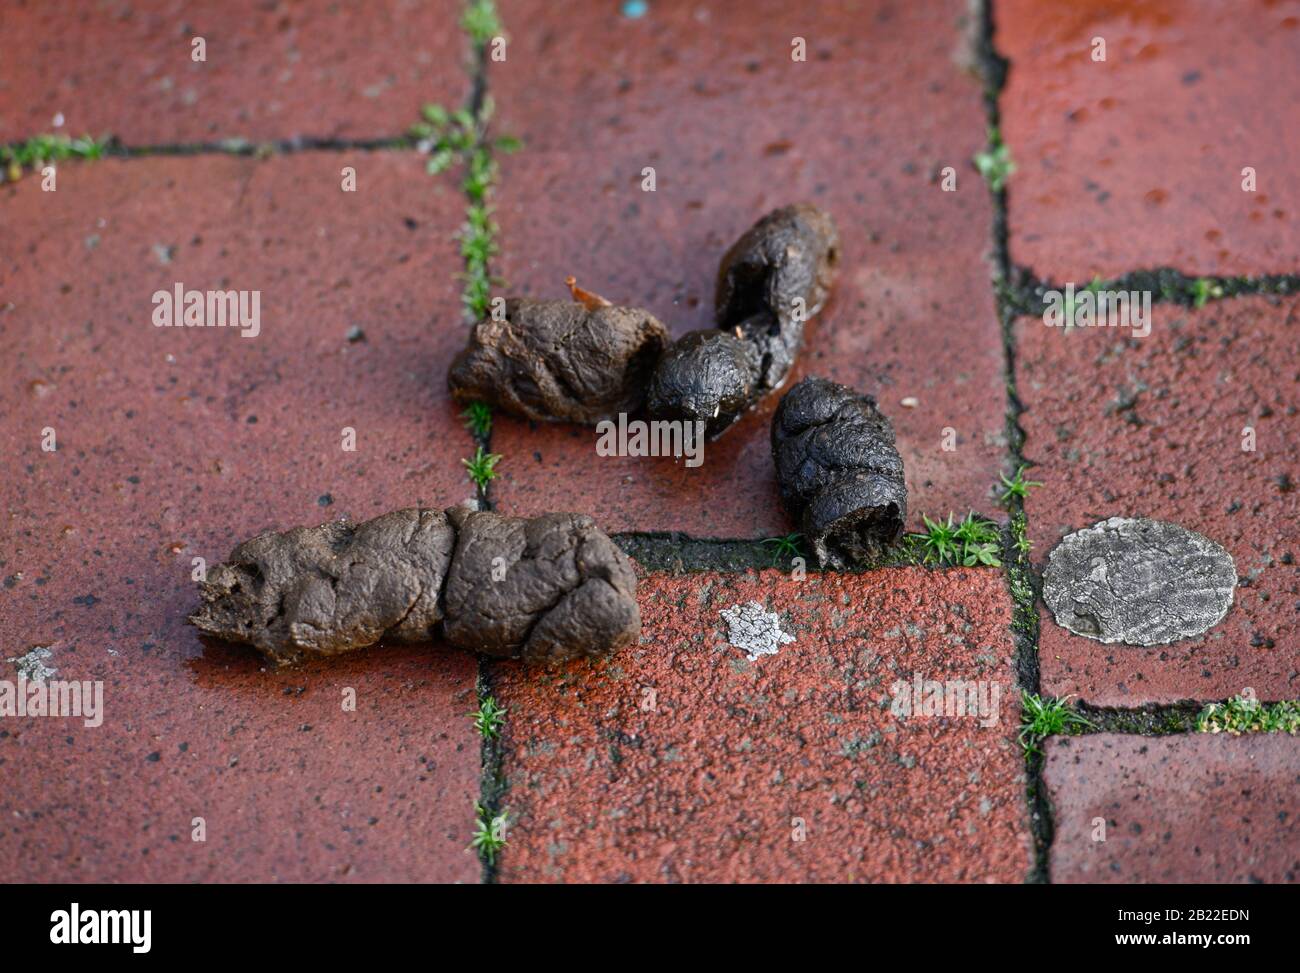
(560, 360)
(772, 280)
(547, 588)
(708, 376)
(319, 591)
(840, 476)
(552, 587)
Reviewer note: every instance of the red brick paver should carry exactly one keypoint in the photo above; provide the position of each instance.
(683, 761)
(177, 443)
(1175, 809)
(1136, 162)
(710, 97)
(1153, 427)
(351, 69)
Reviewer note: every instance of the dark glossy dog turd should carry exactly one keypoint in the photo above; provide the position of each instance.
(840, 476)
(547, 588)
(772, 280)
(710, 376)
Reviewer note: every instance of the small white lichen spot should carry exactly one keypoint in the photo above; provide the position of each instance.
(755, 631)
(32, 666)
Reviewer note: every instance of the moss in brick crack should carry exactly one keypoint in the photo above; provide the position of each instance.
(482, 467)
(971, 543)
(1017, 487)
(1203, 288)
(478, 420)
(489, 834)
(1042, 717)
(1243, 714)
(452, 136)
(1147, 721)
(784, 548)
(994, 162)
(1019, 576)
(488, 718)
(1093, 287)
(481, 22)
(38, 150)
(444, 136)
(680, 554)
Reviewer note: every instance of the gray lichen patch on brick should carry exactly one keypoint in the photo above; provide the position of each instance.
(1138, 582)
(753, 630)
(32, 666)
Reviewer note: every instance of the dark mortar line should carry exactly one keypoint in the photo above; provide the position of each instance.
(673, 552)
(1023, 292)
(492, 783)
(1021, 582)
(1148, 720)
(247, 147)
(1151, 720)
(479, 83)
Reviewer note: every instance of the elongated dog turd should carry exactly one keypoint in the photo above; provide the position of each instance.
(771, 281)
(547, 588)
(576, 361)
(840, 475)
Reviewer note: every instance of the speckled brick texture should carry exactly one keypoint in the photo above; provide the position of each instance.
(1198, 809)
(301, 68)
(1137, 161)
(733, 127)
(1154, 427)
(683, 761)
(176, 443)
(138, 455)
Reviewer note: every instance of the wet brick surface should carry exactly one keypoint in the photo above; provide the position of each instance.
(1137, 162)
(175, 443)
(273, 71)
(734, 127)
(1195, 808)
(680, 760)
(683, 761)
(1154, 427)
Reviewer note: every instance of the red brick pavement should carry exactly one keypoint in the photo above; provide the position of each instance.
(1136, 162)
(177, 443)
(683, 761)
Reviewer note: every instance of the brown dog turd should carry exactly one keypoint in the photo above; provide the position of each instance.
(576, 361)
(772, 280)
(546, 588)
